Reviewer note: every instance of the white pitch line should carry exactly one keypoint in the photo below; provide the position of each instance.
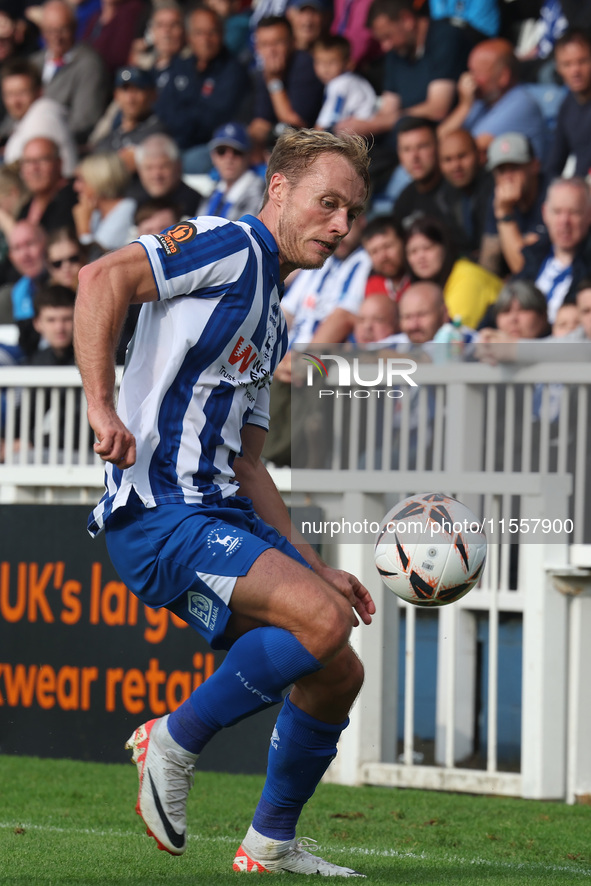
(355, 850)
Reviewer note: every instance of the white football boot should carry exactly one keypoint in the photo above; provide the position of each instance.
(165, 772)
(259, 854)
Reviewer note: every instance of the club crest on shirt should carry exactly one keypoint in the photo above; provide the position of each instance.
(223, 542)
(172, 240)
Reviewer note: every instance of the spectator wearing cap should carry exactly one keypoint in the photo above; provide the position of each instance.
(202, 92)
(561, 258)
(73, 74)
(29, 115)
(135, 95)
(514, 215)
(346, 94)
(159, 175)
(240, 189)
(572, 136)
(287, 91)
(492, 101)
(309, 20)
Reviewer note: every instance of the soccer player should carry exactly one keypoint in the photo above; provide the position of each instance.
(185, 440)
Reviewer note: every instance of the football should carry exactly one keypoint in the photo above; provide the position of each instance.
(430, 549)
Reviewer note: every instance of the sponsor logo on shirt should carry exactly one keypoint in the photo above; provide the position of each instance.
(245, 355)
(172, 240)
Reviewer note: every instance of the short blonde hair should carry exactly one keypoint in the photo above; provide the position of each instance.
(296, 150)
(106, 173)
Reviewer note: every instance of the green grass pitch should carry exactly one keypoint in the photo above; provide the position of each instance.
(65, 822)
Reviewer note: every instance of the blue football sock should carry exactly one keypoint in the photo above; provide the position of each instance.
(301, 751)
(258, 667)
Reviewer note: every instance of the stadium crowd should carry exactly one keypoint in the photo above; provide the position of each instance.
(120, 117)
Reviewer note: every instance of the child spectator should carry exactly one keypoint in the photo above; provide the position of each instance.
(583, 296)
(54, 321)
(566, 321)
(346, 94)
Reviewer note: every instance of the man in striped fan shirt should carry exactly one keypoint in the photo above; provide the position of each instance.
(193, 520)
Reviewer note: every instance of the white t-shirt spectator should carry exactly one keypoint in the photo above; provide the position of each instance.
(348, 95)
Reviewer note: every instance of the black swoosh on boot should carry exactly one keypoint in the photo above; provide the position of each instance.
(177, 840)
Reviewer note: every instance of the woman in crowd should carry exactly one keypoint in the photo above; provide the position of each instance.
(468, 289)
(103, 215)
(521, 311)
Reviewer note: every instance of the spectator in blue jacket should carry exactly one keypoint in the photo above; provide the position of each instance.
(203, 91)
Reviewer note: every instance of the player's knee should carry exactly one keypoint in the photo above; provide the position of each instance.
(332, 628)
(355, 673)
(342, 678)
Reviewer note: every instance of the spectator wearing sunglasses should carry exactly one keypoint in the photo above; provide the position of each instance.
(240, 189)
(65, 257)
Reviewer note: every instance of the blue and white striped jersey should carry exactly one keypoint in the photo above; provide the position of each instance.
(199, 365)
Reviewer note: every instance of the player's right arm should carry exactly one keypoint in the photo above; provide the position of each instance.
(106, 289)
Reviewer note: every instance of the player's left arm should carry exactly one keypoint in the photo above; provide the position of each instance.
(257, 484)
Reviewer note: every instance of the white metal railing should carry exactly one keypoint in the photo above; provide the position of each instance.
(506, 440)
(471, 416)
(46, 452)
(555, 758)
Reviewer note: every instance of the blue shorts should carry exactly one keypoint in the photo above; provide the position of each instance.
(188, 557)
